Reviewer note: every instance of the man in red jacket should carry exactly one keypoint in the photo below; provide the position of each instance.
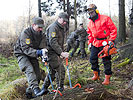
(102, 31)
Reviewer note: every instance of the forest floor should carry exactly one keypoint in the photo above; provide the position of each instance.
(118, 89)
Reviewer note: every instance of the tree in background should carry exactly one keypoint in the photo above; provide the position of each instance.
(128, 52)
(73, 8)
(122, 27)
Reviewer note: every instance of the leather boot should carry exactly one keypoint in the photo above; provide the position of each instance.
(43, 91)
(61, 87)
(106, 80)
(96, 76)
(29, 93)
(36, 91)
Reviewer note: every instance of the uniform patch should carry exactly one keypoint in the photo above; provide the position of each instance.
(27, 41)
(53, 34)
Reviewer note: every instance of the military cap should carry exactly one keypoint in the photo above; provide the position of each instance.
(38, 21)
(80, 24)
(64, 15)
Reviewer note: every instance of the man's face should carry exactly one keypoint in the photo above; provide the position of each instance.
(62, 22)
(37, 28)
(81, 26)
(92, 13)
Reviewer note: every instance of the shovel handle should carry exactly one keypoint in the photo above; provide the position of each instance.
(66, 61)
(50, 78)
(68, 73)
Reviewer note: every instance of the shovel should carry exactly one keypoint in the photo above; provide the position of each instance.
(70, 77)
(45, 63)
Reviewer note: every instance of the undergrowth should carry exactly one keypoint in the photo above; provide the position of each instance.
(9, 71)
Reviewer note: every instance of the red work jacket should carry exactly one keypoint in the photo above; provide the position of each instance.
(102, 28)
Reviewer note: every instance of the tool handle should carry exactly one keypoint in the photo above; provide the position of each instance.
(100, 54)
(66, 61)
(70, 83)
(50, 78)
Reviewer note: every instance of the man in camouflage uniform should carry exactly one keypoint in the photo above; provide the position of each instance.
(55, 40)
(71, 41)
(28, 48)
(82, 39)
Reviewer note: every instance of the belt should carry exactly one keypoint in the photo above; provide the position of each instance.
(101, 38)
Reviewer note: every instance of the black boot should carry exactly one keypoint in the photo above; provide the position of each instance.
(43, 91)
(61, 89)
(29, 93)
(36, 91)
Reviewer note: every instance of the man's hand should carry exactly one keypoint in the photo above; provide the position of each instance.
(44, 55)
(44, 52)
(89, 47)
(65, 54)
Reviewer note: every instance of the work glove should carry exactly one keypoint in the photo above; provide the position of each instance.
(89, 47)
(65, 54)
(44, 55)
(42, 52)
(44, 59)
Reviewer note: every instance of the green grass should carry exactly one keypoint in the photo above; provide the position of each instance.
(9, 71)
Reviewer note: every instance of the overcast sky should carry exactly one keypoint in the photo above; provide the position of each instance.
(11, 9)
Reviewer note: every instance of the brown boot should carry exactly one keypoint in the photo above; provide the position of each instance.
(96, 76)
(106, 80)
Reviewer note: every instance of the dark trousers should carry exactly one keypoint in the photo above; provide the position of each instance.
(76, 45)
(94, 61)
(69, 46)
(82, 47)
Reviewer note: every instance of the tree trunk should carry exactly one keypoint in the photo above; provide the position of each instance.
(75, 14)
(129, 51)
(64, 6)
(39, 8)
(29, 13)
(122, 27)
